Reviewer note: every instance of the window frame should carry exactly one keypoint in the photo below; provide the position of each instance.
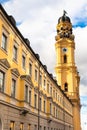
(35, 100)
(6, 34)
(15, 53)
(44, 106)
(29, 96)
(12, 125)
(23, 61)
(13, 88)
(26, 93)
(41, 79)
(40, 102)
(21, 126)
(30, 69)
(3, 82)
(4, 42)
(36, 74)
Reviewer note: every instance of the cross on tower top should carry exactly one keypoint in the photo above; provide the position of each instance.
(64, 12)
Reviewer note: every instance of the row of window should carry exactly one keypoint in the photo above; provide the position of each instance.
(2, 82)
(43, 82)
(4, 44)
(56, 112)
(15, 56)
(28, 93)
(13, 88)
(15, 51)
(12, 127)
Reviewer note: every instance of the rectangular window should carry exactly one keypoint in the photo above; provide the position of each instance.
(44, 128)
(54, 111)
(15, 53)
(44, 106)
(26, 93)
(13, 88)
(30, 97)
(12, 125)
(48, 88)
(54, 93)
(40, 127)
(40, 79)
(29, 127)
(40, 103)
(36, 76)
(44, 84)
(4, 41)
(35, 127)
(35, 101)
(2, 78)
(21, 126)
(30, 69)
(23, 61)
(50, 108)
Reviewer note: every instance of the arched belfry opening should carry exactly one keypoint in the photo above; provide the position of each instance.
(66, 87)
(65, 58)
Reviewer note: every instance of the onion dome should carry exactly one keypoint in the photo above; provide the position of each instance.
(64, 27)
(64, 18)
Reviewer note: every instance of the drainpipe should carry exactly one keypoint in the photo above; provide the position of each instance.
(39, 96)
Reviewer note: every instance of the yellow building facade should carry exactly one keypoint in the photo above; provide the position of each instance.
(30, 98)
(66, 70)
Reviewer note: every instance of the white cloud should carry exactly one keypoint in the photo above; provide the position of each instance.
(83, 90)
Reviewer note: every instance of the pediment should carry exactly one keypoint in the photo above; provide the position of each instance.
(27, 78)
(5, 63)
(15, 71)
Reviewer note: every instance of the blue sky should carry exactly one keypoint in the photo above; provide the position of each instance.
(3, 1)
(37, 20)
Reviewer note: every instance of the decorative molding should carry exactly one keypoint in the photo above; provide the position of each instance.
(4, 63)
(15, 72)
(27, 78)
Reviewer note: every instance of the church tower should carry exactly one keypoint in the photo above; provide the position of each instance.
(66, 70)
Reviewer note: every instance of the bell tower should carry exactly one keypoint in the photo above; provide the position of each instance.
(66, 70)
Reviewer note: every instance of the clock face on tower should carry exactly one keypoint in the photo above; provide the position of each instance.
(64, 49)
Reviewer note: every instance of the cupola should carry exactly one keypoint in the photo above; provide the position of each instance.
(64, 27)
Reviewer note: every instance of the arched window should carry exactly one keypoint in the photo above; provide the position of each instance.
(66, 87)
(65, 58)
